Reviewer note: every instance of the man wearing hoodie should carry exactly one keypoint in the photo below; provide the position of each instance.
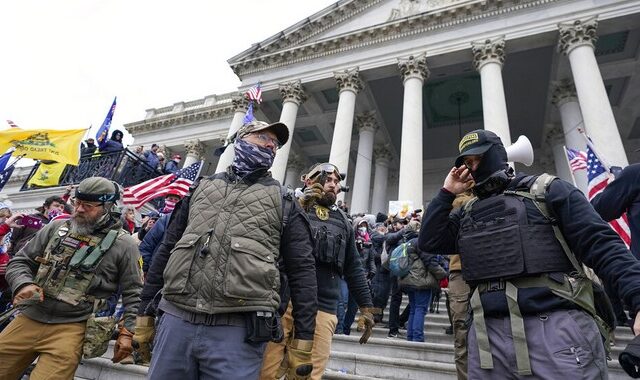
(113, 144)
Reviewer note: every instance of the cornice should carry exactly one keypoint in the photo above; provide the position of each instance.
(210, 113)
(392, 30)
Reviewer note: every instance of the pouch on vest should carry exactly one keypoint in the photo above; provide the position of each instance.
(329, 247)
(97, 334)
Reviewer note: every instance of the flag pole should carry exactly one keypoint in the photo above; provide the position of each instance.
(573, 178)
(593, 149)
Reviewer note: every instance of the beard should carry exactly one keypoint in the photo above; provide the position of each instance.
(83, 224)
(327, 200)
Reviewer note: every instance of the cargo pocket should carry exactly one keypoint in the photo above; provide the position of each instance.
(251, 271)
(176, 273)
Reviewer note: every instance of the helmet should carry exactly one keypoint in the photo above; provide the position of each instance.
(98, 189)
(317, 169)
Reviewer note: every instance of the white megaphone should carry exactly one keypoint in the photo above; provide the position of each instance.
(521, 151)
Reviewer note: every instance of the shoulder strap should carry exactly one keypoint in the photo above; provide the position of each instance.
(287, 205)
(467, 206)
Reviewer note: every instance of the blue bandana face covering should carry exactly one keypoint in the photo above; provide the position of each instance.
(250, 157)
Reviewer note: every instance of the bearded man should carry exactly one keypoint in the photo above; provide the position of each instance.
(57, 279)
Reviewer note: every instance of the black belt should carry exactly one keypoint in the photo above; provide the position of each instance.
(223, 319)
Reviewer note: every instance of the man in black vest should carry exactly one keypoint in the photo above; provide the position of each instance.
(520, 255)
(336, 257)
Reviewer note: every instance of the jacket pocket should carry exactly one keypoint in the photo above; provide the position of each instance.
(176, 273)
(251, 272)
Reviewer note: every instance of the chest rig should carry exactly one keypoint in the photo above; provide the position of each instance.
(69, 264)
(330, 236)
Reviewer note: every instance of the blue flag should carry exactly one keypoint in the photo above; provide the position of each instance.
(5, 175)
(248, 117)
(106, 124)
(4, 160)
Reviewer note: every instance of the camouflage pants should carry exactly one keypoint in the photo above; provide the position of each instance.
(58, 348)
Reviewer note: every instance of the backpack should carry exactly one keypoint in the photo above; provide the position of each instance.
(399, 262)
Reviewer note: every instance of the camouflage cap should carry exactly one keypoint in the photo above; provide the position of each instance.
(98, 189)
(280, 129)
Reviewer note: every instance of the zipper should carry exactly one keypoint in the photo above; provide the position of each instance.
(575, 353)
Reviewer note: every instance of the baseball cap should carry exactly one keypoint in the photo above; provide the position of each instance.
(280, 129)
(475, 143)
(97, 189)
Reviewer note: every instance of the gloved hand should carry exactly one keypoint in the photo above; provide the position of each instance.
(123, 347)
(311, 194)
(366, 320)
(28, 295)
(630, 358)
(297, 362)
(145, 331)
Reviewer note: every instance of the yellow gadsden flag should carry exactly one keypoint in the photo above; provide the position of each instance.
(47, 174)
(62, 146)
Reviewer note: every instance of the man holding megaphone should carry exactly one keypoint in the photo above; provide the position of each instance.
(522, 241)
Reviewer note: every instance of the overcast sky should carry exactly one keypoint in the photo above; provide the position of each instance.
(64, 61)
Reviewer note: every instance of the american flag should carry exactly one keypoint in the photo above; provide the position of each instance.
(180, 181)
(577, 159)
(12, 124)
(254, 93)
(598, 179)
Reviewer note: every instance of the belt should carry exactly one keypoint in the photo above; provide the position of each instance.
(223, 319)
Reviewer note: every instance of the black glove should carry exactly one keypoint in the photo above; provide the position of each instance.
(630, 358)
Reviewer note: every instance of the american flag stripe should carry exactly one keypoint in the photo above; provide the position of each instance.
(255, 93)
(133, 195)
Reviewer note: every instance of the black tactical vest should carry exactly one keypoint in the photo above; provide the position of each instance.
(496, 241)
(330, 237)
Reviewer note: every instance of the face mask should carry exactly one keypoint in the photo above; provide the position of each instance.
(250, 157)
(362, 230)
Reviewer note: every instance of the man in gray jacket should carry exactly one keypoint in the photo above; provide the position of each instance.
(58, 276)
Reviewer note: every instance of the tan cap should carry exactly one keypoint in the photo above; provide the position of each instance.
(281, 130)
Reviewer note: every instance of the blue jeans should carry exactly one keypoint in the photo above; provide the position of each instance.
(342, 306)
(419, 300)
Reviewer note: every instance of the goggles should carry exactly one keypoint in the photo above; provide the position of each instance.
(322, 168)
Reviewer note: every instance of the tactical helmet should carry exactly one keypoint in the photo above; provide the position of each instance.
(98, 189)
(325, 167)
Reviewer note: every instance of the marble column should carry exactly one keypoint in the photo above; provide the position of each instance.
(565, 98)
(349, 85)
(382, 157)
(295, 165)
(577, 41)
(555, 142)
(292, 97)
(367, 127)
(414, 72)
(195, 152)
(488, 58)
(240, 105)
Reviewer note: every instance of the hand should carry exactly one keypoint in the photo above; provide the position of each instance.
(123, 346)
(366, 320)
(145, 331)
(11, 221)
(28, 293)
(636, 325)
(297, 363)
(311, 194)
(458, 180)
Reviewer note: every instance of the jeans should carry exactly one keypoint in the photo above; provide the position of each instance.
(419, 300)
(342, 306)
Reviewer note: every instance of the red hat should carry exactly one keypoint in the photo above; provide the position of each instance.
(177, 156)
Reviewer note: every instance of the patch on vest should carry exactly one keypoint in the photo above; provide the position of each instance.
(322, 212)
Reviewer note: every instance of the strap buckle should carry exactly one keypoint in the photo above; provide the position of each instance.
(495, 286)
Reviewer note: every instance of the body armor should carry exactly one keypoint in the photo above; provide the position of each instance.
(330, 237)
(497, 242)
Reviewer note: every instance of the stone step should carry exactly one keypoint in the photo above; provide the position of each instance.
(385, 367)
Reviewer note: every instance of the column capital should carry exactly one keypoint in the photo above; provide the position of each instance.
(488, 51)
(414, 67)
(366, 121)
(564, 91)
(554, 135)
(240, 103)
(194, 148)
(577, 33)
(293, 92)
(382, 154)
(349, 80)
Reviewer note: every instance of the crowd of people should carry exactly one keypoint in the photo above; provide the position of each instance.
(244, 278)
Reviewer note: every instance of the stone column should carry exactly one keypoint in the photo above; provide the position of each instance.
(379, 199)
(565, 98)
(195, 151)
(554, 143)
(414, 72)
(349, 85)
(367, 126)
(294, 167)
(488, 58)
(292, 97)
(240, 105)
(577, 41)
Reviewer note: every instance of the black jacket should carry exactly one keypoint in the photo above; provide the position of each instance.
(295, 249)
(588, 236)
(620, 196)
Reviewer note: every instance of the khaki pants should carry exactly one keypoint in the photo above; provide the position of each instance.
(325, 327)
(58, 348)
(459, 306)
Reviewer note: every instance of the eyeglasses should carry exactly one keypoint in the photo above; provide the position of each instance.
(86, 205)
(265, 139)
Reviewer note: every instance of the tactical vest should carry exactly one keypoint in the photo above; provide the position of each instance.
(330, 236)
(497, 242)
(69, 264)
(225, 261)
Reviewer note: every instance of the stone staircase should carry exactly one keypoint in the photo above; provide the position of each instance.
(381, 358)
